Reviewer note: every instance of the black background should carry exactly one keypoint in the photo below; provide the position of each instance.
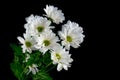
(86, 63)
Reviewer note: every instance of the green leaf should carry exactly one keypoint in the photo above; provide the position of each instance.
(35, 58)
(17, 49)
(47, 58)
(18, 55)
(17, 69)
(42, 75)
(17, 65)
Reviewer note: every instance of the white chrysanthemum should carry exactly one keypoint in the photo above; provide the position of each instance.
(28, 43)
(36, 25)
(33, 69)
(53, 13)
(47, 40)
(61, 57)
(71, 35)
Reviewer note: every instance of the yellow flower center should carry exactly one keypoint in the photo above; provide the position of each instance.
(40, 28)
(69, 38)
(46, 42)
(58, 56)
(28, 44)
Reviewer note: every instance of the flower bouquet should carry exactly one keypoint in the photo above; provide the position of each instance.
(41, 49)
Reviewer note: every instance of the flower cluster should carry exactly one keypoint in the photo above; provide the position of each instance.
(39, 36)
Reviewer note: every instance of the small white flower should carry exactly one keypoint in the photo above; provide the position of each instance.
(71, 35)
(36, 25)
(53, 13)
(47, 40)
(27, 42)
(61, 57)
(33, 69)
(27, 57)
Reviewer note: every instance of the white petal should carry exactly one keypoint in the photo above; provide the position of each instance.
(59, 67)
(30, 18)
(23, 48)
(57, 47)
(30, 69)
(67, 45)
(29, 50)
(36, 69)
(62, 36)
(21, 40)
(75, 45)
(33, 71)
(65, 67)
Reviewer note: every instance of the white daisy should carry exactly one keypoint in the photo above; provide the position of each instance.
(27, 42)
(71, 35)
(33, 69)
(36, 25)
(47, 40)
(53, 13)
(61, 57)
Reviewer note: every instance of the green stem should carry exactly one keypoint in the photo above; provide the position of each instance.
(48, 64)
(50, 68)
(21, 75)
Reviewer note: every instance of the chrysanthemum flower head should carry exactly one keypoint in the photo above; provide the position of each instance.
(36, 25)
(28, 43)
(61, 57)
(53, 13)
(47, 40)
(71, 35)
